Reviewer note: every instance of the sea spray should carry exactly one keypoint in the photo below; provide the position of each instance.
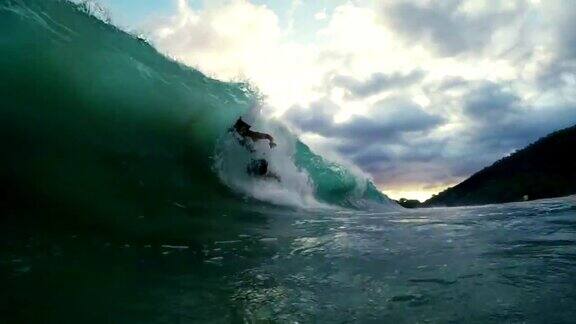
(308, 179)
(295, 188)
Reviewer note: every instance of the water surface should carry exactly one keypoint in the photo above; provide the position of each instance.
(489, 264)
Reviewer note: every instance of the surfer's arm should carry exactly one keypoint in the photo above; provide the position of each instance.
(255, 136)
(244, 142)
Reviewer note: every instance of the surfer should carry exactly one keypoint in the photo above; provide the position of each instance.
(256, 167)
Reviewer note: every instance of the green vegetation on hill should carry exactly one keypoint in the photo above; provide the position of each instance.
(544, 169)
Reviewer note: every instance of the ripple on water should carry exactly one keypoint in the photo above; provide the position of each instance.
(438, 281)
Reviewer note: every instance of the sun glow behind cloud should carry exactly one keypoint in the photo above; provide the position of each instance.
(474, 79)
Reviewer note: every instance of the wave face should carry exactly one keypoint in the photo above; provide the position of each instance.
(338, 185)
(97, 121)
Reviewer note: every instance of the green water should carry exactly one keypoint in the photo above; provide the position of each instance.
(114, 208)
(98, 122)
(512, 263)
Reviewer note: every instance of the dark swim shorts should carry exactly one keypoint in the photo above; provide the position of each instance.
(257, 167)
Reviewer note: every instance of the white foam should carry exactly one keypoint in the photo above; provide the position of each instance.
(294, 190)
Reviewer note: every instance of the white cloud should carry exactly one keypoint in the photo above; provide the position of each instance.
(240, 40)
(321, 15)
(527, 45)
(218, 40)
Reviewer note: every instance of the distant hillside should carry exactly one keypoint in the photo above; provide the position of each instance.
(546, 168)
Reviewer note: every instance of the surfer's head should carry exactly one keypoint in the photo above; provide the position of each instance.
(241, 127)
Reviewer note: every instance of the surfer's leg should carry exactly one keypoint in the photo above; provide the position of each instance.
(273, 175)
(262, 167)
(257, 167)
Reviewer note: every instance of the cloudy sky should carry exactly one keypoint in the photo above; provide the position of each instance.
(419, 94)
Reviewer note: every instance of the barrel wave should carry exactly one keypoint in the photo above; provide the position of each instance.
(96, 122)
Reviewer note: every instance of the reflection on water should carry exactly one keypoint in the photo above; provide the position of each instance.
(501, 263)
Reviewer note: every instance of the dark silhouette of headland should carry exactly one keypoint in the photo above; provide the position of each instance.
(543, 169)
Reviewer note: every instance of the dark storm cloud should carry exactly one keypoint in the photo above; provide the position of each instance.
(373, 157)
(562, 66)
(565, 30)
(399, 142)
(451, 83)
(388, 121)
(498, 122)
(318, 118)
(555, 74)
(389, 156)
(376, 83)
(481, 144)
(379, 143)
(443, 26)
(502, 135)
(490, 102)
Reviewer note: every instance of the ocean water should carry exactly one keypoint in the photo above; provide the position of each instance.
(513, 263)
(124, 199)
(96, 117)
